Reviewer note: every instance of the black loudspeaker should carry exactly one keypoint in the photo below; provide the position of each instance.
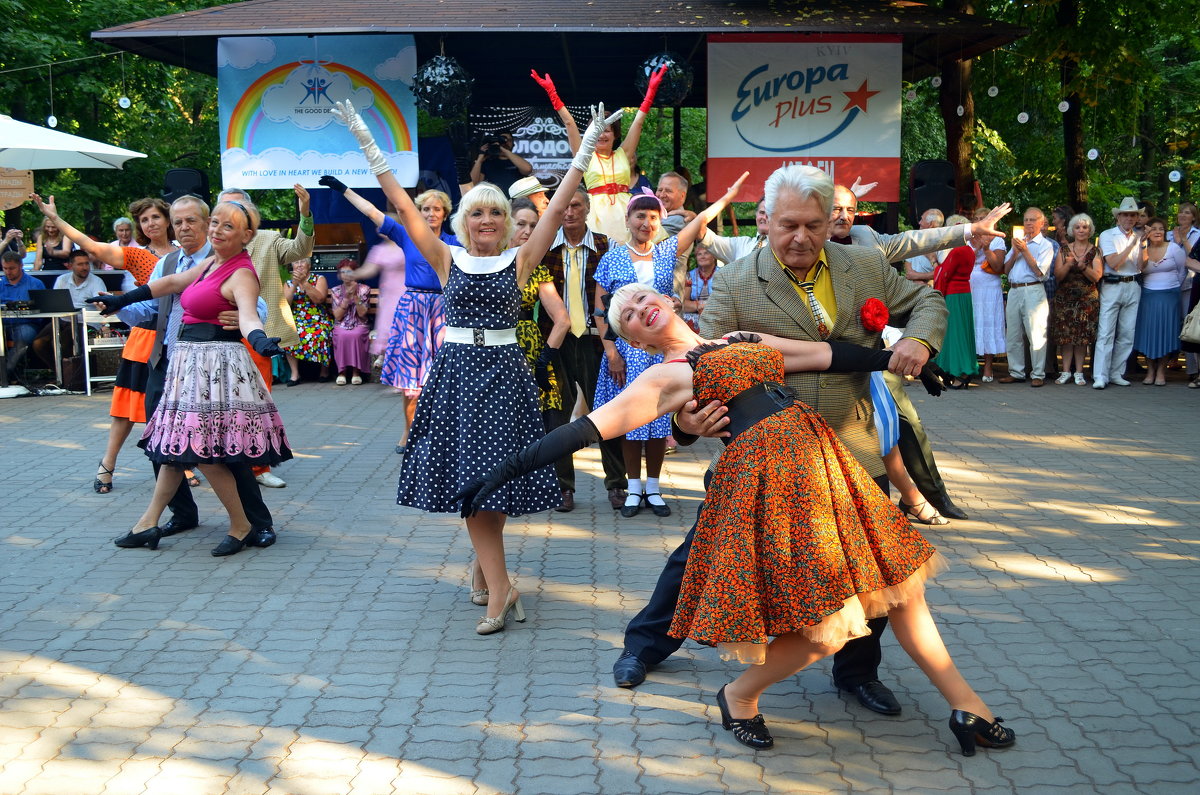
(931, 185)
(185, 182)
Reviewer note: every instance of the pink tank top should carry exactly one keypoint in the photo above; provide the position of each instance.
(202, 300)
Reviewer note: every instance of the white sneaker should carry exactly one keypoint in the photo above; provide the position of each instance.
(1062, 378)
(1080, 380)
(1119, 381)
(987, 379)
(270, 481)
(1098, 385)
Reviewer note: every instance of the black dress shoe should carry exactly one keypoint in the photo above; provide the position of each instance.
(948, 509)
(659, 510)
(875, 696)
(629, 671)
(630, 511)
(147, 538)
(175, 526)
(261, 538)
(230, 546)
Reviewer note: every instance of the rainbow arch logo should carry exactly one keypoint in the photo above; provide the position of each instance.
(251, 113)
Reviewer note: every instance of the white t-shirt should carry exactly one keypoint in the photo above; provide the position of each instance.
(1113, 241)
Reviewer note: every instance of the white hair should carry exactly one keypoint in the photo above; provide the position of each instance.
(619, 301)
(804, 182)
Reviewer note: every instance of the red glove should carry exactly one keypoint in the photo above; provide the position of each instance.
(652, 88)
(548, 86)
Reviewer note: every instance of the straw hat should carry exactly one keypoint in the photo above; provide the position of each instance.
(525, 186)
(1128, 205)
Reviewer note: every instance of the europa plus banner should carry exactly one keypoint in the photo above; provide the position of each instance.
(827, 101)
(275, 94)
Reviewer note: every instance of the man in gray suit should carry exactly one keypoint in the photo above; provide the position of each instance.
(914, 445)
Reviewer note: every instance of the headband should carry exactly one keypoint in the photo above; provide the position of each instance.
(245, 212)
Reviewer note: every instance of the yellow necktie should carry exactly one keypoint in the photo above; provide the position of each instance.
(572, 284)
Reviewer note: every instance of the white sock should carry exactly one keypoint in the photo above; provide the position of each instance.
(652, 486)
(635, 486)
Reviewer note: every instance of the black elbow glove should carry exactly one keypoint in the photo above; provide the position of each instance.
(264, 345)
(114, 302)
(560, 442)
(334, 183)
(849, 358)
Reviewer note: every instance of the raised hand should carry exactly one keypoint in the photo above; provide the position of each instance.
(302, 198)
(344, 112)
(587, 146)
(652, 88)
(334, 183)
(860, 188)
(987, 225)
(47, 207)
(548, 86)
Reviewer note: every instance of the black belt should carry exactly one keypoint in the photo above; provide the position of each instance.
(422, 291)
(1112, 278)
(1023, 284)
(750, 406)
(208, 332)
(525, 314)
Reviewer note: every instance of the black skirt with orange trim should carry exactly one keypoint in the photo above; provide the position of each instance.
(129, 391)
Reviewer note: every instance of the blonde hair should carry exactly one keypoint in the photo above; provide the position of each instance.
(483, 195)
(249, 213)
(441, 196)
(619, 301)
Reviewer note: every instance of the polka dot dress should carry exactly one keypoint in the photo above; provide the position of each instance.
(480, 403)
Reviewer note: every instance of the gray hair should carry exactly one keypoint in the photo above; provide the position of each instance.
(196, 200)
(675, 175)
(805, 182)
(1081, 218)
(937, 215)
(122, 220)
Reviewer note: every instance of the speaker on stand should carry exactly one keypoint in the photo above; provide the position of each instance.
(931, 185)
(185, 182)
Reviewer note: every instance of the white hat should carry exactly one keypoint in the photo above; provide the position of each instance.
(525, 186)
(1128, 205)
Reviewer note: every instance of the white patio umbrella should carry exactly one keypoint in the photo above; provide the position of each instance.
(28, 146)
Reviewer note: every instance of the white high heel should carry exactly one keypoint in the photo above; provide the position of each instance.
(479, 596)
(512, 602)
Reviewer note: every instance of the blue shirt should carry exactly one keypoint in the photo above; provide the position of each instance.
(418, 273)
(19, 292)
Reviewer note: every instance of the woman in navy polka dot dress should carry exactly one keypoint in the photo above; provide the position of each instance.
(480, 402)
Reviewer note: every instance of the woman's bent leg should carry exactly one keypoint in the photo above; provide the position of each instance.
(919, 637)
(223, 484)
(786, 655)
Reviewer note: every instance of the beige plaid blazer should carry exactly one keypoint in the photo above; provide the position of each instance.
(269, 251)
(754, 294)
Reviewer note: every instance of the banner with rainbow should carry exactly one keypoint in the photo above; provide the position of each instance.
(275, 94)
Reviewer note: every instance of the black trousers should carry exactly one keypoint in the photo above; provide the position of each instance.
(914, 448)
(182, 505)
(581, 368)
(646, 636)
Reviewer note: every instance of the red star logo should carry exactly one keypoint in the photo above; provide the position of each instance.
(858, 98)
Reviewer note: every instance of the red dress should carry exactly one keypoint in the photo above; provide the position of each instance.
(795, 536)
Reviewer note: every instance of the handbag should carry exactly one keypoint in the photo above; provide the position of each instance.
(1191, 326)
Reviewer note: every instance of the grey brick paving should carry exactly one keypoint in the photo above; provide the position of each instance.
(344, 659)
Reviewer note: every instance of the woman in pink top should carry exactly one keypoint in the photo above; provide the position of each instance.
(215, 406)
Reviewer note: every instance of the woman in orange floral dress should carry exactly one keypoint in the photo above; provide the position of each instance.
(795, 541)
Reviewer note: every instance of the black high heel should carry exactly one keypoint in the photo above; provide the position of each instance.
(970, 729)
(147, 538)
(751, 732)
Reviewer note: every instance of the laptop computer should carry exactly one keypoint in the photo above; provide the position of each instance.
(52, 300)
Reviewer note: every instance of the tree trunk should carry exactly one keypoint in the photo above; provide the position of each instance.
(956, 90)
(1073, 159)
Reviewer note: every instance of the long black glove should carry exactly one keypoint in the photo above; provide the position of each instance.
(264, 345)
(114, 302)
(561, 441)
(848, 358)
(541, 368)
(333, 182)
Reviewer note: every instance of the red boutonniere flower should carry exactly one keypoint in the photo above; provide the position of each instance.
(874, 315)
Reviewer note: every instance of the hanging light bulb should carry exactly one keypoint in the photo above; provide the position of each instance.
(960, 110)
(911, 95)
(124, 103)
(936, 82)
(993, 91)
(1092, 154)
(1022, 117)
(1064, 106)
(1175, 176)
(52, 120)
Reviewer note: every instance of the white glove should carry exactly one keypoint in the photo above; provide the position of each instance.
(345, 113)
(587, 146)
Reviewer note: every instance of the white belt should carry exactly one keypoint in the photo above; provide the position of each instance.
(483, 337)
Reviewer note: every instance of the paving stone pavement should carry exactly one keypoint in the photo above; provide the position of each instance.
(344, 658)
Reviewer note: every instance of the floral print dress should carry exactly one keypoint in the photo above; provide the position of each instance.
(795, 536)
(315, 326)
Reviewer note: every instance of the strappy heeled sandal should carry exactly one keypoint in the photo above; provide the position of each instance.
(913, 512)
(98, 485)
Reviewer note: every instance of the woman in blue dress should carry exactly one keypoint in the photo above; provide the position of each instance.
(641, 261)
(480, 402)
(420, 318)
